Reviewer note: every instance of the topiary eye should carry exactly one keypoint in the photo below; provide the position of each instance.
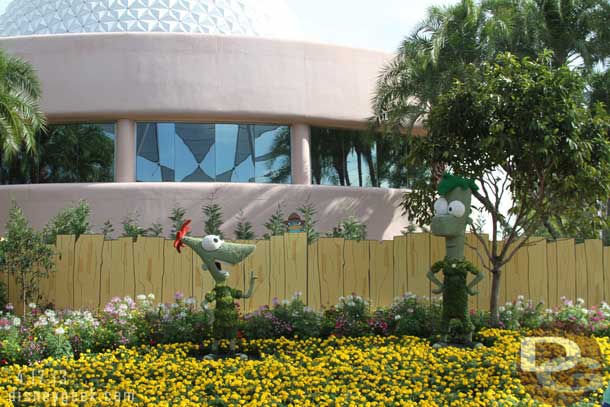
(457, 209)
(211, 243)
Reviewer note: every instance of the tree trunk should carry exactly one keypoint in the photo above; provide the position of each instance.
(496, 273)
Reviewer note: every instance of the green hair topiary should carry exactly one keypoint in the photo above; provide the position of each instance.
(450, 182)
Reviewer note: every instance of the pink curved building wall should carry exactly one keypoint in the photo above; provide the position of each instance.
(130, 77)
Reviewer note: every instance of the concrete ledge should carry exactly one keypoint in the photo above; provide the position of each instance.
(377, 207)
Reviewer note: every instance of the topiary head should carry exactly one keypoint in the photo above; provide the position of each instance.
(452, 208)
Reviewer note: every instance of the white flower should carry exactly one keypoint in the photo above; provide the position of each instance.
(16, 321)
(32, 305)
(453, 265)
(141, 297)
(580, 301)
(520, 298)
(123, 307)
(190, 301)
(151, 296)
(548, 311)
(60, 331)
(501, 309)
(397, 317)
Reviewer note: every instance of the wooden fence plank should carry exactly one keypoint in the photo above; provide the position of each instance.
(356, 268)
(551, 266)
(566, 269)
(581, 271)
(148, 265)
(295, 263)
(419, 263)
(382, 272)
(401, 266)
(87, 271)
(277, 276)
(517, 274)
(258, 263)
(64, 274)
(595, 271)
(330, 263)
(538, 274)
(109, 276)
(314, 285)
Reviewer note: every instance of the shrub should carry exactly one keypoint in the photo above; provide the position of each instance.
(522, 314)
(131, 227)
(243, 229)
(3, 294)
(73, 220)
(107, 229)
(212, 217)
(412, 316)
(349, 228)
(177, 217)
(156, 230)
(25, 255)
(276, 225)
(308, 212)
(182, 321)
(351, 316)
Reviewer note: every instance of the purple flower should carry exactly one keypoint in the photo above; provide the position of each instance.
(9, 307)
(178, 296)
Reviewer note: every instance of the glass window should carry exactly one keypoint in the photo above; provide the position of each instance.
(65, 153)
(195, 152)
(359, 158)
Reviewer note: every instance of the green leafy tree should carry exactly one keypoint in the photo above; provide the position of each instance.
(439, 50)
(25, 255)
(276, 225)
(521, 129)
(131, 225)
(244, 229)
(308, 213)
(65, 153)
(177, 218)
(20, 115)
(212, 217)
(73, 220)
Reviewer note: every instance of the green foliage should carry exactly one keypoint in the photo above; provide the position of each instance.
(177, 218)
(156, 230)
(131, 227)
(25, 255)
(107, 229)
(3, 293)
(276, 225)
(308, 213)
(212, 218)
(73, 220)
(349, 228)
(519, 125)
(20, 115)
(411, 316)
(350, 317)
(450, 182)
(244, 229)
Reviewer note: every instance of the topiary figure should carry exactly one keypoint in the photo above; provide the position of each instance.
(452, 215)
(213, 251)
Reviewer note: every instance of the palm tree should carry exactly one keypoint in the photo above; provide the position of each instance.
(20, 115)
(436, 54)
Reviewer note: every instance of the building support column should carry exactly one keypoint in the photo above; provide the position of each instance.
(300, 158)
(125, 151)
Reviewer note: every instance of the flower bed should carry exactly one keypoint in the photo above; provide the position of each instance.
(372, 370)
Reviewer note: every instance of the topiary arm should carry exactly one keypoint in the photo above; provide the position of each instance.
(478, 277)
(251, 288)
(436, 267)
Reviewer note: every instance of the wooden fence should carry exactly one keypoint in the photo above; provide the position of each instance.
(91, 270)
